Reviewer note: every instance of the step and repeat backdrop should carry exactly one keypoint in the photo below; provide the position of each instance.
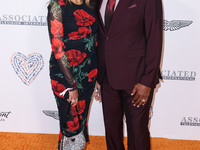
(27, 103)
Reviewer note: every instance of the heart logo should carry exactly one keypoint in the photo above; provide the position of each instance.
(27, 67)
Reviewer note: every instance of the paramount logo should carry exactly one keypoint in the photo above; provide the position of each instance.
(4, 115)
(29, 20)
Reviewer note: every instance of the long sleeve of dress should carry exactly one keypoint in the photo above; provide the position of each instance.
(55, 27)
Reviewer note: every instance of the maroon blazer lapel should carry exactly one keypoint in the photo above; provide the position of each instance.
(121, 7)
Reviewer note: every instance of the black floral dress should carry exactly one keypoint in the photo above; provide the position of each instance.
(73, 65)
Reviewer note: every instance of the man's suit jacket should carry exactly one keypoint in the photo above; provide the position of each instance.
(130, 51)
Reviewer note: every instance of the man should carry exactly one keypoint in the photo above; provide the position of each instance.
(129, 52)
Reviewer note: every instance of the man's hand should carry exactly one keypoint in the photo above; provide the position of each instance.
(141, 94)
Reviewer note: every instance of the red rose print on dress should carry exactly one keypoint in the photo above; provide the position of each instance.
(75, 57)
(73, 111)
(60, 135)
(56, 28)
(57, 47)
(82, 32)
(92, 75)
(61, 2)
(83, 18)
(57, 88)
(81, 106)
(73, 125)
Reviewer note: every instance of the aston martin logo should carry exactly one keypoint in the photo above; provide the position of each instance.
(51, 113)
(175, 24)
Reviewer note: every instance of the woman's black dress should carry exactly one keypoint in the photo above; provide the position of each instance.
(72, 30)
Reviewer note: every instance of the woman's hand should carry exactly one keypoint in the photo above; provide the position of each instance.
(97, 92)
(73, 97)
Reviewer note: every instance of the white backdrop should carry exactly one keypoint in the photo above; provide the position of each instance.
(27, 103)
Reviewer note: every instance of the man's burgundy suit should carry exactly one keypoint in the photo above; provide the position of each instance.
(129, 53)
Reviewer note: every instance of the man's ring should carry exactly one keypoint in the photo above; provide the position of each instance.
(72, 100)
(143, 100)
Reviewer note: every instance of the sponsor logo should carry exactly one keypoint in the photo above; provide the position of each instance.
(4, 115)
(51, 113)
(178, 75)
(190, 121)
(175, 24)
(29, 20)
(27, 67)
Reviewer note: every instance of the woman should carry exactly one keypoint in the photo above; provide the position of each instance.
(72, 27)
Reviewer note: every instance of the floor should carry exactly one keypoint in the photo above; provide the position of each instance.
(25, 141)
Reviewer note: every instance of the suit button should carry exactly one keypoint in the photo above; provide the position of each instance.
(107, 38)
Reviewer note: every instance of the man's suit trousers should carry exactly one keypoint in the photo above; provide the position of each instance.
(116, 103)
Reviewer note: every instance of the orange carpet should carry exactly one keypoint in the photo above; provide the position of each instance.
(25, 141)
